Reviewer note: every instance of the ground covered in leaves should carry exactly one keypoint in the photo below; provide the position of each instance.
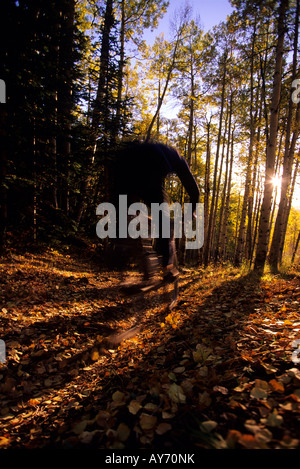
(221, 370)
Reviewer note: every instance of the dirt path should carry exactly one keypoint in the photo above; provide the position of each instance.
(218, 371)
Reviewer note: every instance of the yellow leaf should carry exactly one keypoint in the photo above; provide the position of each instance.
(33, 402)
(3, 441)
(95, 355)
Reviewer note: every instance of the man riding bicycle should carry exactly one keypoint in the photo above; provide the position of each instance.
(140, 170)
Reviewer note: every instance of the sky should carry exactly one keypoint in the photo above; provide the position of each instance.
(211, 13)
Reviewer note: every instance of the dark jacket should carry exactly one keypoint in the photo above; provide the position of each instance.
(141, 168)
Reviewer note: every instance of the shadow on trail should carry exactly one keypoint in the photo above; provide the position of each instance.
(236, 296)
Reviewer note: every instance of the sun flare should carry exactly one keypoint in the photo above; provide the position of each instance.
(276, 181)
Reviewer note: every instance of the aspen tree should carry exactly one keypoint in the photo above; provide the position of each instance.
(264, 224)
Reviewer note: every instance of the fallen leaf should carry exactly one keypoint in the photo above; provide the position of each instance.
(263, 435)
(248, 441)
(176, 394)
(147, 422)
(151, 407)
(118, 396)
(276, 386)
(179, 369)
(205, 399)
(80, 427)
(102, 419)
(208, 426)
(33, 402)
(95, 355)
(163, 428)
(201, 353)
(252, 426)
(134, 406)
(269, 368)
(295, 373)
(3, 441)
(87, 437)
(296, 394)
(232, 438)
(123, 432)
(273, 419)
(220, 389)
(260, 391)
(167, 415)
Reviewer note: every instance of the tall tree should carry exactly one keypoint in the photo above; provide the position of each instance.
(252, 125)
(135, 17)
(288, 159)
(264, 224)
(101, 110)
(180, 29)
(213, 203)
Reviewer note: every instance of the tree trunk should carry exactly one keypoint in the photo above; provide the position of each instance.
(169, 73)
(223, 237)
(161, 98)
(287, 212)
(242, 230)
(206, 195)
(191, 116)
(295, 249)
(256, 223)
(278, 240)
(264, 224)
(251, 207)
(65, 100)
(3, 172)
(222, 206)
(210, 232)
(99, 105)
(120, 72)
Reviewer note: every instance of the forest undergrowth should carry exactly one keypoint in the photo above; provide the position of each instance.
(218, 371)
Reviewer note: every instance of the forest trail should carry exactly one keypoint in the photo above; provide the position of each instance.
(218, 371)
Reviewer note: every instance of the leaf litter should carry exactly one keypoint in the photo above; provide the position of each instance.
(218, 371)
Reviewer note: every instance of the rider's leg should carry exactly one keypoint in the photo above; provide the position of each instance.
(167, 249)
(149, 261)
(165, 242)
